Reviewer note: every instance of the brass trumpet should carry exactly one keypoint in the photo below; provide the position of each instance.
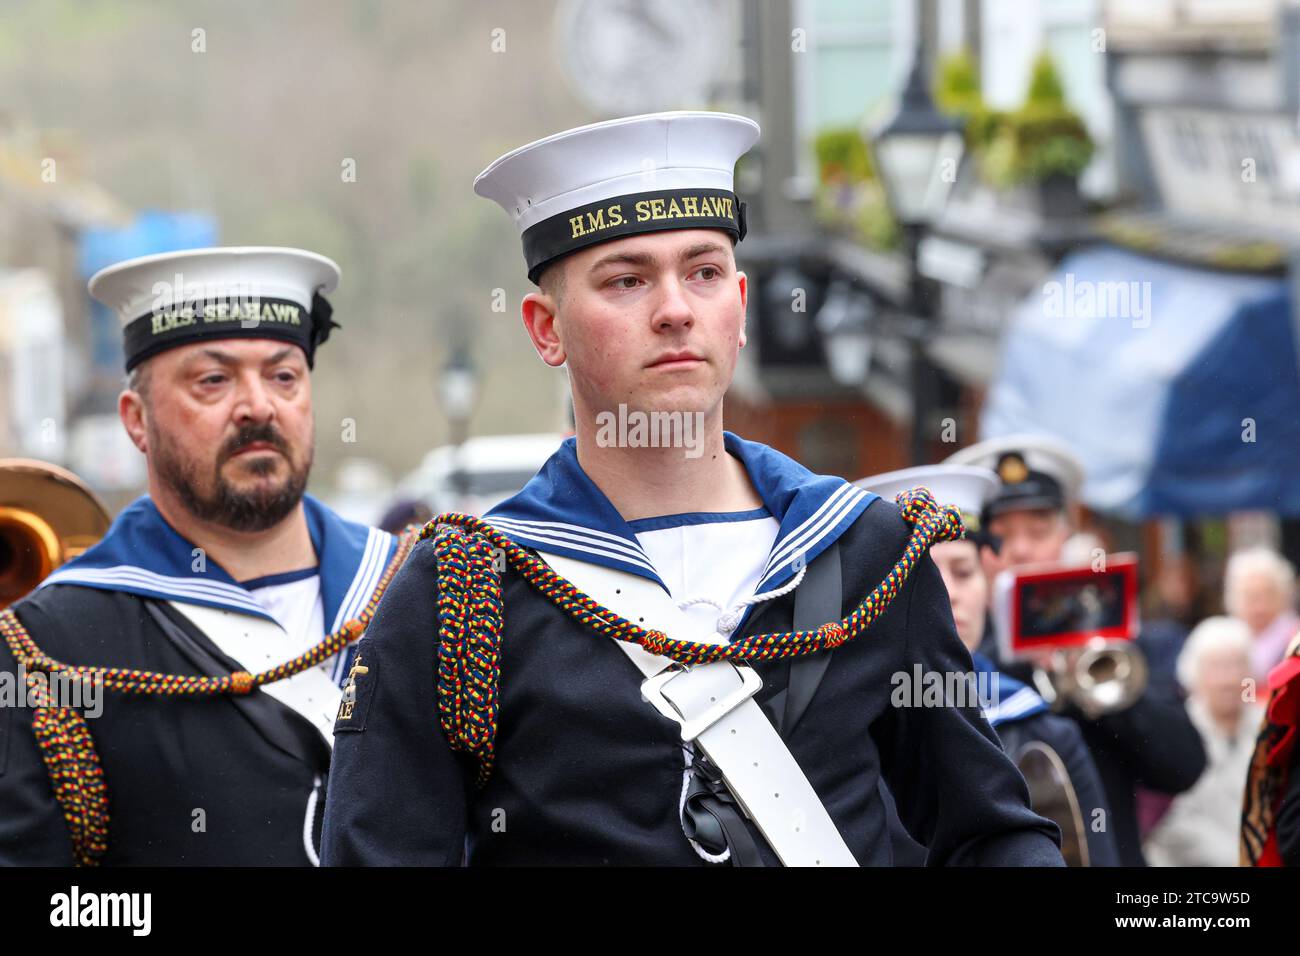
(47, 516)
(1100, 677)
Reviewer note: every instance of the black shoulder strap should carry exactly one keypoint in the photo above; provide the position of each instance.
(817, 600)
(279, 725)
(710, 814)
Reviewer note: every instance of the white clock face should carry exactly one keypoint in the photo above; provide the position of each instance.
(639, 56)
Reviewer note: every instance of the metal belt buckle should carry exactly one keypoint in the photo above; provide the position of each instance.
(652, 690)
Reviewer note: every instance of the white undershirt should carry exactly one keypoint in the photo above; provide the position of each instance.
(721, 561)
(296, 607)
(258, 645)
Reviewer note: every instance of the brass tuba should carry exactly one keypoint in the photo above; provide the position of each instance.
(47, 516)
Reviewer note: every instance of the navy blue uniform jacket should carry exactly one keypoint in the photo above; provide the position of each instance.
(250, 764)
(588, 773)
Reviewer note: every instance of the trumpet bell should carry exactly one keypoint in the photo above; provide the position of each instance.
(1101, 677)
(47, 516)
(1110, 676)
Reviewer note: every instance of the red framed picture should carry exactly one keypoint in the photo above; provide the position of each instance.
(1051, 606)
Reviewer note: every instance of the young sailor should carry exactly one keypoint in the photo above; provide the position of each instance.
(209, 629)
(673, 646)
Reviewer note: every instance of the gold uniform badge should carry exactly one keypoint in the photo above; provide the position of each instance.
(350, 689)
(1012, 469)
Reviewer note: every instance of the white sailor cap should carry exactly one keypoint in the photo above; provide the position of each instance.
(175, 298)
(967, 487)
(1035, 471)
(621, 177)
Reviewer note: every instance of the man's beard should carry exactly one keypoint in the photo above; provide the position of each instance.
(226, 505)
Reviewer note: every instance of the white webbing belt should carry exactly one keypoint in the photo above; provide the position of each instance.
(714, 705)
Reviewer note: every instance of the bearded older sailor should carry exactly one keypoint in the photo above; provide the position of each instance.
(218, 613)
(662, 654)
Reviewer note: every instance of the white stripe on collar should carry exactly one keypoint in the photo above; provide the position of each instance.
(602, 538)
(810, 525)
(142, 554)
(368, 574)
(561, 509)
(1018, 703)
(359, 592)
(576, 537)
(813, 529)
(162, 585)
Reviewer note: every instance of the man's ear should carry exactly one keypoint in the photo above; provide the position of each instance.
(130, 408)
(743, 281)
(542, 322)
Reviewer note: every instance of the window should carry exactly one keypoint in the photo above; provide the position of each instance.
(850, 68)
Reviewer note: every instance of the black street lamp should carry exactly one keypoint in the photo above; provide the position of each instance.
(845, 323)
(917, 150)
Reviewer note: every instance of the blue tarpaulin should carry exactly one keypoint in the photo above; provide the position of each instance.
(1177, 386)
(149, 233)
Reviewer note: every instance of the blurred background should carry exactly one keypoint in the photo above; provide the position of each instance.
(1077, 220)
(969, 218)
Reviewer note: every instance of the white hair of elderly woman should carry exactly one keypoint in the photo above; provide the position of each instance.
(1212, 634)
(1264, 562)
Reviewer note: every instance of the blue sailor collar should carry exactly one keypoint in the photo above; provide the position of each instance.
(561, 510)
(142, 554)
(1016, 700)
